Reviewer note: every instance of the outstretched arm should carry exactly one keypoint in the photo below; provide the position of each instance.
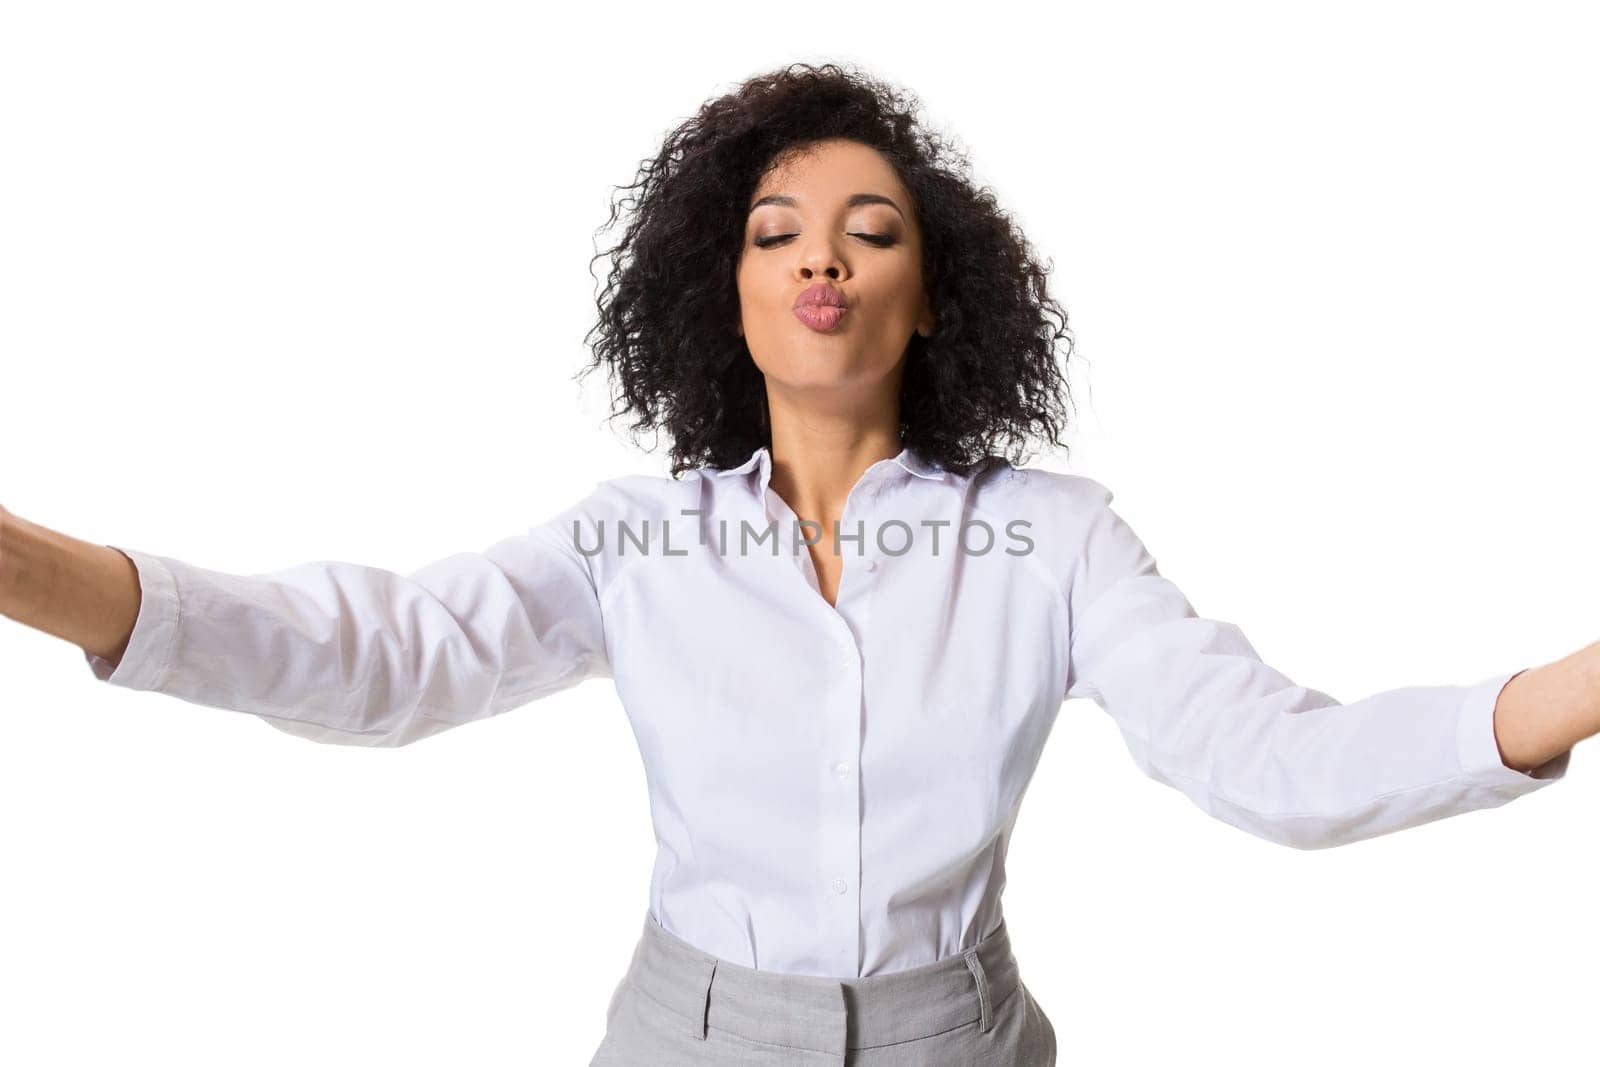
(1201, 712)
(336, 652)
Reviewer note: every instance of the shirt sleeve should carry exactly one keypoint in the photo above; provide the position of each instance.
(343, 653)
(1201, 712)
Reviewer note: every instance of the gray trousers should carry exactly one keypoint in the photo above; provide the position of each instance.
(678, 1006)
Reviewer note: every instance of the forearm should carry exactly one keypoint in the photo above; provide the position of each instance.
(84, 593)
(1544, 711)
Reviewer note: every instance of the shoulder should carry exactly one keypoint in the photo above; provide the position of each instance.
(643, 495)
(1036, 492)
(587, 529)
(1055, 514)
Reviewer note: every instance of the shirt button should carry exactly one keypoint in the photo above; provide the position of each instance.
(872, 565)
(842, 770)
(840, 885)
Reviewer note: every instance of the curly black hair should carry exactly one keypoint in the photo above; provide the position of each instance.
(986, 381)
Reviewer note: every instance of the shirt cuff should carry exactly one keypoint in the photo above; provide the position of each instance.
(1480, 755)
(148, 657)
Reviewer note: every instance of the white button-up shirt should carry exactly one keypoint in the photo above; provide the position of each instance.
(832, 787)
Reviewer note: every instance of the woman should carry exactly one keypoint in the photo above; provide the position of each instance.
(841, 630)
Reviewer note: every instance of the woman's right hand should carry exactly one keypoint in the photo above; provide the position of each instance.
(80, 591)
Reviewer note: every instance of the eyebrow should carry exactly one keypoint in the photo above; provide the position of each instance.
(855, 201)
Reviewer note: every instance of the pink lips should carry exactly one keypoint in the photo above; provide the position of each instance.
(821, 307)
(819, 317)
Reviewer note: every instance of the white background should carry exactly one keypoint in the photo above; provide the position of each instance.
(309, 281)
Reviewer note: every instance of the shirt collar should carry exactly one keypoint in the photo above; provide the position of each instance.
(907, 462)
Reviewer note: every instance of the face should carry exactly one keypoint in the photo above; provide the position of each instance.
(837, 215)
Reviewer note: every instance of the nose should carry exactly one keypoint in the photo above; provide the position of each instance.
(819, 257)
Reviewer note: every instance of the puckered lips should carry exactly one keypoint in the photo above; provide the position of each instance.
(821, 307)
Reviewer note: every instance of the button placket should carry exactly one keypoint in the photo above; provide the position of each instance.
(840, 833)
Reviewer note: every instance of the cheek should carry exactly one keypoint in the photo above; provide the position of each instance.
(900, 295)
(754, 299)
(754, 276)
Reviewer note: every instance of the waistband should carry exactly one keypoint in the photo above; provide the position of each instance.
(822, 1013)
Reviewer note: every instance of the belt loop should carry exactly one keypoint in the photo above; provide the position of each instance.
(975, 965)
(697, 1025)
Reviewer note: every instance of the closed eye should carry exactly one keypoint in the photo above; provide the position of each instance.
(881, 240)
